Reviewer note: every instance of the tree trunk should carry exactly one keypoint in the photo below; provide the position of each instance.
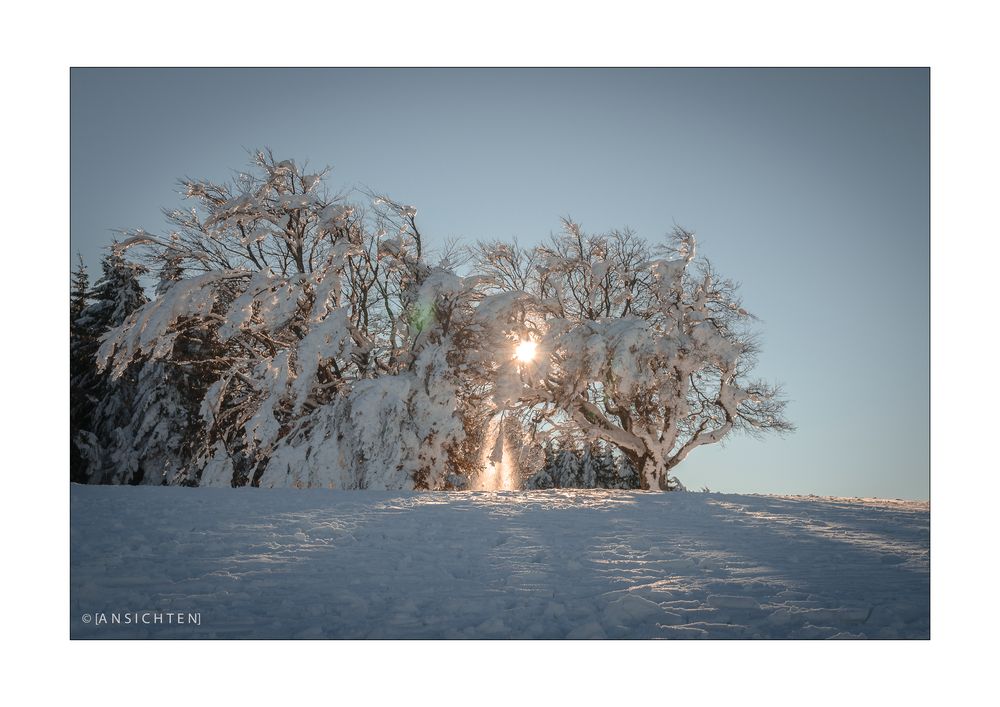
(652, 476)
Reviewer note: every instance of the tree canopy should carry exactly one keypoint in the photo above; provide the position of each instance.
(302, 338)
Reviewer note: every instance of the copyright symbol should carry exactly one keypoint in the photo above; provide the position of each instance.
(86, 618)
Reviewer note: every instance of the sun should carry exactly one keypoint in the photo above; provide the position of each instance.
(525, 351)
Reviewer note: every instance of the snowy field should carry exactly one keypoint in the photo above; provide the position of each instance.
(287, 563)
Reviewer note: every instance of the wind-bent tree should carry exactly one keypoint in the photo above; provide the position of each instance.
(323, 340)
(650, 354)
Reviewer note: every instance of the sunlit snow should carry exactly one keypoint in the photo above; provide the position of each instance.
(286, 563)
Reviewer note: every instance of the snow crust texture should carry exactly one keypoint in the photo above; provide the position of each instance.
(577, 564)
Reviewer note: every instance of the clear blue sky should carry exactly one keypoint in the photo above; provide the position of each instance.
(808, 186)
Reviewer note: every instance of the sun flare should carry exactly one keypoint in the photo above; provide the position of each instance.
(525, 351)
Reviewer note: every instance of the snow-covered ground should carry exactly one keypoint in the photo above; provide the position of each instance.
(285, 563)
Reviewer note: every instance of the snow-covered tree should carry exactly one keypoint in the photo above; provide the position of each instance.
(79, 289)
(329, 343)
(116, 294)
(101, 407)
(595, 465)
(542, 478)
(615, 471)
(82, 370)
(300, 339)
(588, 469)
(565, 471)
(649, 350)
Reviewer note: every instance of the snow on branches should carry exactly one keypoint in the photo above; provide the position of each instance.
(312, 330)
(649, 354)
(324, 349)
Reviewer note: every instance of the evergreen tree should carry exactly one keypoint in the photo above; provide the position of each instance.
(565, 470)
(604, 466)
(589, 464)
(116, 295)
(104, 406)
(82, 370)
(621, 474)
(162, 432)
(78, 292)
(160, 437)
(595, 466)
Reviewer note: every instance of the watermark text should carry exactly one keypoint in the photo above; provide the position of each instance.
(139, 618)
